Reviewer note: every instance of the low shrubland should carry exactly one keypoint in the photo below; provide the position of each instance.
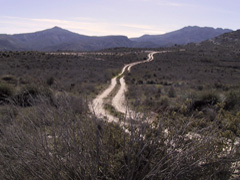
(46, 141)
(47, 131)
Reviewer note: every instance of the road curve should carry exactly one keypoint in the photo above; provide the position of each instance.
(119, 100)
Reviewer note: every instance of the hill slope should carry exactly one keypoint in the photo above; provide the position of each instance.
(190, 34)
(225, 42)
(231, 39)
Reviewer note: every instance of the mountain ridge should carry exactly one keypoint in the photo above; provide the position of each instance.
(56, 38)
(189, 34)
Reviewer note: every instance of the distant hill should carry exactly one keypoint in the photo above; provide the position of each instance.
(60, 39)
(190, 34)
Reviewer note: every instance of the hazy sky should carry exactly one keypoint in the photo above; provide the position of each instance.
(117, 17)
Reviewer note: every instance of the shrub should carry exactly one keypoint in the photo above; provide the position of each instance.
(210, 113)
(10, 79)
(59, 144)
(210, 97)
(30, 93)
(6, 92)
(139, 82)
(163, 103)
(232, 100)
(205, 99)
(50, 81)
(76, 104)
(171, 92)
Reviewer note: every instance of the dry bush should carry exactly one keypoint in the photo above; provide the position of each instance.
(232, 100)
(6, 92)
(58, 142)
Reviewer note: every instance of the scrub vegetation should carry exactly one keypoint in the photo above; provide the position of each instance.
(48, 132)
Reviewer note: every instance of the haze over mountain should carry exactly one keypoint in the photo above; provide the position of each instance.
(59, 39)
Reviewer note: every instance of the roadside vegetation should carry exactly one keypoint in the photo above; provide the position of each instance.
(48, 132)
(78, 73)
(200, 84)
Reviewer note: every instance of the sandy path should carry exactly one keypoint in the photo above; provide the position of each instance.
(97, 106)
(119, 100)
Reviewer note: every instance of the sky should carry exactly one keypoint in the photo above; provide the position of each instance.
(132, 18)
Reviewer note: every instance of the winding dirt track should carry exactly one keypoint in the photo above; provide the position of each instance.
(119, 100)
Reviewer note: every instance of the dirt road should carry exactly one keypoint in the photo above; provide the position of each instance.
(119, 100)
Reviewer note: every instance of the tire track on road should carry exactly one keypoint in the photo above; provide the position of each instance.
(119, 100)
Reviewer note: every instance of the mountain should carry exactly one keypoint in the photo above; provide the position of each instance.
(190, 34)
(60, 39)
